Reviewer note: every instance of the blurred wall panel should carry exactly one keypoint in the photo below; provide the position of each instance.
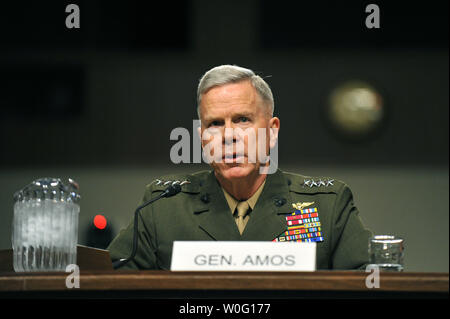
(132, 105)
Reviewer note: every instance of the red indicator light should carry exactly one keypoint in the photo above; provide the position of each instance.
(100, 221)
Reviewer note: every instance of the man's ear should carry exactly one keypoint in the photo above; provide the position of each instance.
(199, 131)
(274, 126)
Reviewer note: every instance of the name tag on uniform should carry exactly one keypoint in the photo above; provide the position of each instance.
(243, 256)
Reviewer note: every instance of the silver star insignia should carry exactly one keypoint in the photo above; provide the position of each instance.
(321, 183)
(330, 182)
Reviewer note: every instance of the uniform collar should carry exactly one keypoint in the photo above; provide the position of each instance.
(267, 222)
(233, 202)
(276, 188)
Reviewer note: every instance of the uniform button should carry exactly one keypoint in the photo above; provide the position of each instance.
(205, 198)
(279, 202)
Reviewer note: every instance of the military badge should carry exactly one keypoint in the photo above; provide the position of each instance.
(300, 206)
(303, 225)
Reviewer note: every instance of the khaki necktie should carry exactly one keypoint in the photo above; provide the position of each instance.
(242, 209)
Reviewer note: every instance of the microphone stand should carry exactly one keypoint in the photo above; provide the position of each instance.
(168, 192)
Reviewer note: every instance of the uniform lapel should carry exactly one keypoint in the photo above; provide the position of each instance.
(213, 213)
(267, 221)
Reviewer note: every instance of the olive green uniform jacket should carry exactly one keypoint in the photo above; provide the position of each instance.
(200, 212)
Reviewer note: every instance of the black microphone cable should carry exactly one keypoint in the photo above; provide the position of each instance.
(171, 190)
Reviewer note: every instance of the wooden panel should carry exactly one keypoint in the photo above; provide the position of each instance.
(88, 258)
(166, 280)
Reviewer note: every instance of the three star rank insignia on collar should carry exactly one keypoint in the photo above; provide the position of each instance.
(303, 225)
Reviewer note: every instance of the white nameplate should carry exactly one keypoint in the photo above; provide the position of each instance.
(243, 256)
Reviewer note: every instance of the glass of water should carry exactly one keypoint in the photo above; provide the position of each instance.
(386, 252)
(45, 225)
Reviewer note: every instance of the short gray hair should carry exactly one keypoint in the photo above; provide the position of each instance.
(224, 74)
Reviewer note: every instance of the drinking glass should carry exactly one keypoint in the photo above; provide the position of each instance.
(387, 252)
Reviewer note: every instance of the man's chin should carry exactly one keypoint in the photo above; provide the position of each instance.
(236, 171)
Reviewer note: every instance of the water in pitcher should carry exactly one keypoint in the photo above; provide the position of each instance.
(45, 230)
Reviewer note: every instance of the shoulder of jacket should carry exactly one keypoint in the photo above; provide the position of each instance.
(313, 184)
(190, 183)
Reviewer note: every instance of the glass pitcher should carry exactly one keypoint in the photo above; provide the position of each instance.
(45, 225)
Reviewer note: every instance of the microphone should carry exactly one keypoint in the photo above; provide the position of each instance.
(170, 191)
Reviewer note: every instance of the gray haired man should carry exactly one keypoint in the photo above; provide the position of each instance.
(238, 199)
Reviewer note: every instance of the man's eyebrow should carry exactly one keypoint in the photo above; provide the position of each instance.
(241, 114)
(212, 119)
(233, 115)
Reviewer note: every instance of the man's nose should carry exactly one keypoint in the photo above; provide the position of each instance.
(229, 134)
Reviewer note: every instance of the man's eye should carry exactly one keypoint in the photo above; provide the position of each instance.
(243, 119)
(214, 123)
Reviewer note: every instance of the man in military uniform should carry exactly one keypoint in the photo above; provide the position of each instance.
(240, 199)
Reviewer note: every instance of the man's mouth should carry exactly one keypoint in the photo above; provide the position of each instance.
(231, 158)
